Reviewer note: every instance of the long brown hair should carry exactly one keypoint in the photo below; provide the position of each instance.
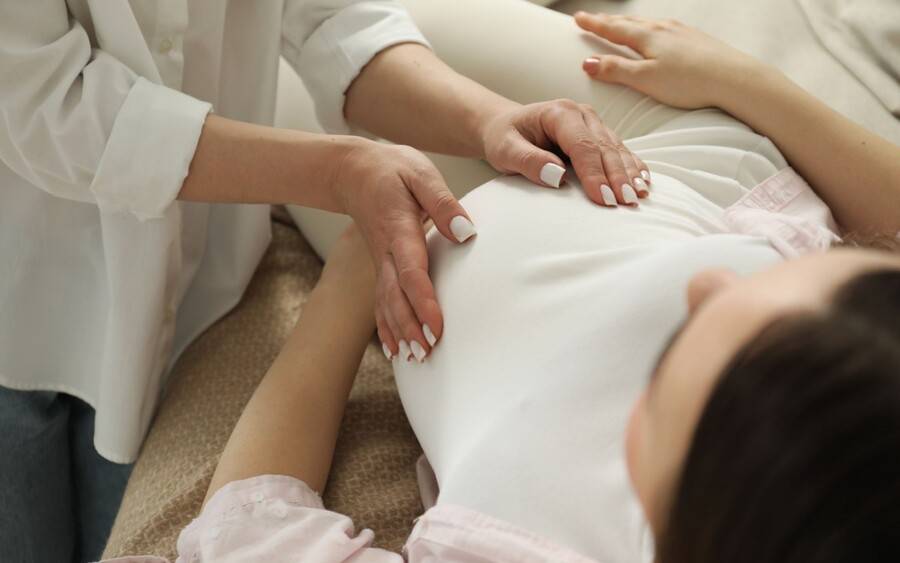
(796, 457)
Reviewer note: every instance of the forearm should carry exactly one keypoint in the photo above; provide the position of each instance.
(856, 172)
(409, 96)
(237, 162)
(291, 423)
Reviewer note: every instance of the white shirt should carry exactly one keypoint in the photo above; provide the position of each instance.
(554, 316)
(104, 278)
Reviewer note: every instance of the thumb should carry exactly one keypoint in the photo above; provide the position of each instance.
(521, 156)
(441, 206)
(616, 69)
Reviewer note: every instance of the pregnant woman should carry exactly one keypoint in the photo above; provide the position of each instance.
(769, 429)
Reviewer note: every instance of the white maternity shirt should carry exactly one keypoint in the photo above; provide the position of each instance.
(555, 315)
(104, 279)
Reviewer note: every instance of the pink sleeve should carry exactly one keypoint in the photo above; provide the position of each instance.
(787, 212)
(275, 518)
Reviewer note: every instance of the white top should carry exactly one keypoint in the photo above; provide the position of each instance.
(555, 314)
(103, 278)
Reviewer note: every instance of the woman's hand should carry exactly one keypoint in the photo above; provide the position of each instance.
(682, 66)
(520, 140)
(389, 190)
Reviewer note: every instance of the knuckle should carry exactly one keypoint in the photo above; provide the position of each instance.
(586, 145)
(444, 203)
(608, 65)
(409, 277)
(566, 104)
(588, 109)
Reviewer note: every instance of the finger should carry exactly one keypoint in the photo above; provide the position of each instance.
(563, 124)
(641, 187)
(410, 257)
(389, 344)
(521, 156)
(595, 156)
(389, 285)
(432, 193)
(617, 159)
(613, 28)
(401, 310)
(617, 70)
(632, 171)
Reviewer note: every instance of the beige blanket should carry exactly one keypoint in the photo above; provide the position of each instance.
(373, 478)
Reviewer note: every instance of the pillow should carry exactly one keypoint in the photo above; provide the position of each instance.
(865, 36)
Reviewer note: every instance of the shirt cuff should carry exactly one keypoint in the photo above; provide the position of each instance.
(337, 51)
(149, 150)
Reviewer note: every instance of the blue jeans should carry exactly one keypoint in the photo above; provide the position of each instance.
(58, 496)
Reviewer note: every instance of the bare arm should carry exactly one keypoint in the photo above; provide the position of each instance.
(291, 423)
(856, 172)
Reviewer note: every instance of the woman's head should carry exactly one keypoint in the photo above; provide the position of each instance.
(771, 429)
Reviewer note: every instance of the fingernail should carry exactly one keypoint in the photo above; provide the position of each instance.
(418, 350)
(641, 186)
(591, 65)
(645, 175)
(404, 351)
(429, 336)
(387, 351)
(609, 198)
(462, 228)
(628, 195)
(551, 174)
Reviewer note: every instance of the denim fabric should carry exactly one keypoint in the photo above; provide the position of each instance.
(58, 496)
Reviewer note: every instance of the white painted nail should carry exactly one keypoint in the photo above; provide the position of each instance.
(462, 228)
(640, 185)
(429, 336)
(387, 351)
(609, 198)
(628, 195)
(645, 175)
(418, 350)
(404, 350)
(551, 174)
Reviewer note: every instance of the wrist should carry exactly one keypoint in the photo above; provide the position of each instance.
(747, 81)
(483, 120)
(337, 153)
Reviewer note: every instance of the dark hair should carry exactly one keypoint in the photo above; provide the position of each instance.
(796, 457)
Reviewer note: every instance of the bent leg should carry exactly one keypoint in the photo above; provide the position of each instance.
(36, 518)
(524, 52)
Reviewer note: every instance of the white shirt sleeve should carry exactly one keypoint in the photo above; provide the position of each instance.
(81, 124)
(328, 42)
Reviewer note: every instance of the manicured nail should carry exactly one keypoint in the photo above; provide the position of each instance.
(418, 350)
(404, 351)
(429, 336)
(551, 174)
(462, 228)
(641, 187)
(628, 195)
(645, 175)
(591, 65)
(387, 351)
(609, 198)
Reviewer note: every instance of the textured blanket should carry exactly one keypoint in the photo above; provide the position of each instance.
(373, 478)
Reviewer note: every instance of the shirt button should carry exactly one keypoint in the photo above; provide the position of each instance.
(257, 497)
(165, 45)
